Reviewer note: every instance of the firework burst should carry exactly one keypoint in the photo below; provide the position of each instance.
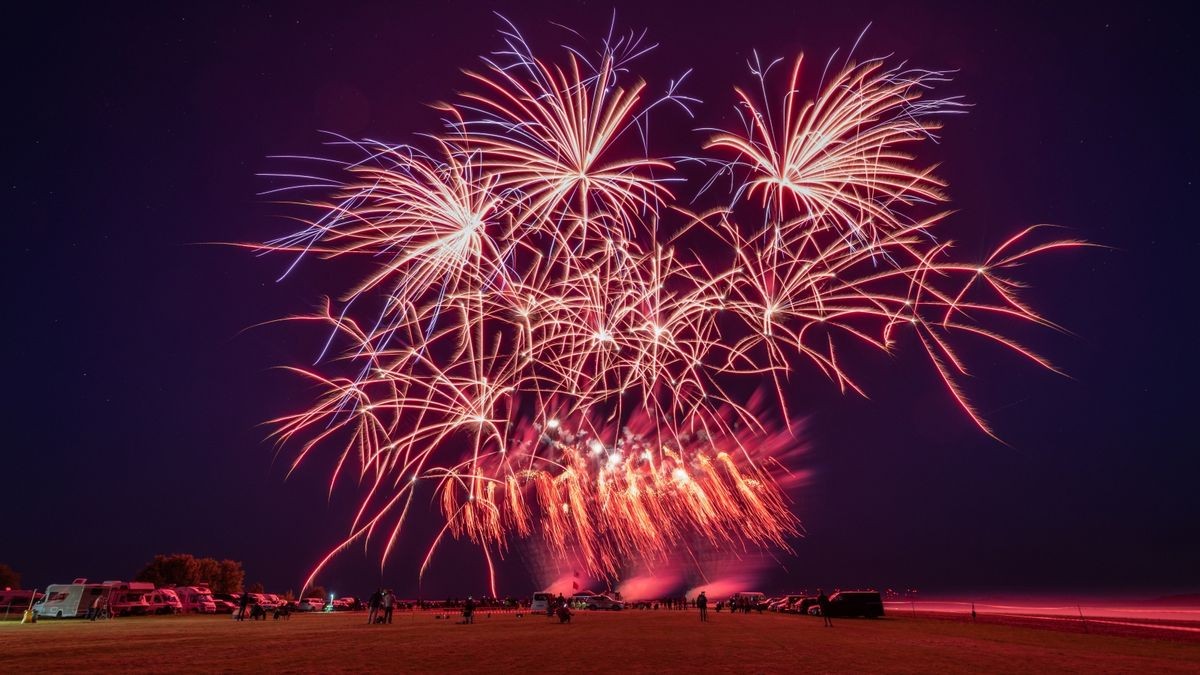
(527, 339)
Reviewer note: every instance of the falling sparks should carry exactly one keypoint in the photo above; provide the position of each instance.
(545, 336)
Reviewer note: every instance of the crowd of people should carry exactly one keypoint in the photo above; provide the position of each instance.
(383, 602)
(742, 605)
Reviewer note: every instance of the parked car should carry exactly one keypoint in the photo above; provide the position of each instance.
(261, 599)
(853, 603)
(223, 606)
(784, 603)
(603, 601)
(232, 600)
(802, 606)
(311, 605)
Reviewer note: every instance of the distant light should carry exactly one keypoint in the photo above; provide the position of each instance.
(596, 446)
(552, 424)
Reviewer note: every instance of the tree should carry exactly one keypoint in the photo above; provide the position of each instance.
(9, 578)
(183, 569)
(230, 577)
(256, 587)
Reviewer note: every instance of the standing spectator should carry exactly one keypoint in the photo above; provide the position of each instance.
(702, 603)
(373, 605)
(388, 603)
(469, 610)
(823, 603)
(242, 602)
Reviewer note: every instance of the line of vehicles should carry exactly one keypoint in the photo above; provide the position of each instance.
(137, 598)
(544, 601)
(868, 604)
(134, 598)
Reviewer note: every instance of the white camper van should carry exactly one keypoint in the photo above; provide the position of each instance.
(541, 602)
(64, 601)
(164, 601)
(196, 599)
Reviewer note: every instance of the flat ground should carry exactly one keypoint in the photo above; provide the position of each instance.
(629, 641)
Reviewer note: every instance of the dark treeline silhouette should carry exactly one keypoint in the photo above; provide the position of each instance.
(183, 569)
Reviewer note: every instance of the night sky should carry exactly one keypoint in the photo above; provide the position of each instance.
(137, 387)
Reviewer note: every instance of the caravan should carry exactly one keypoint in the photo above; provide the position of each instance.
(196, 599)
(128, 598)
(64, 601)
(164, 601)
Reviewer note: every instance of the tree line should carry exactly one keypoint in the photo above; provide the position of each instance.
(183, 569)
(180, 569)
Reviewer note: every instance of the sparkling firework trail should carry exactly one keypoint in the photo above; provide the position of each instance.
(528, 339)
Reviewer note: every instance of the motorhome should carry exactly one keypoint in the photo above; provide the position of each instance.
(164, 601)
(128, 598)
(64, 601)
(196, 600)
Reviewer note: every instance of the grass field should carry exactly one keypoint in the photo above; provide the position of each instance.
(630, 641)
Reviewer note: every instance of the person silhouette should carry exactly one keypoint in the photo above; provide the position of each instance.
(469, 610)
(702, 603)
(824, 604)
(373, 604)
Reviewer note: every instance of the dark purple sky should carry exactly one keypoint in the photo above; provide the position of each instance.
(134, 401)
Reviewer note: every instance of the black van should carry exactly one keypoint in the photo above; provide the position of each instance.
(856, 603)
